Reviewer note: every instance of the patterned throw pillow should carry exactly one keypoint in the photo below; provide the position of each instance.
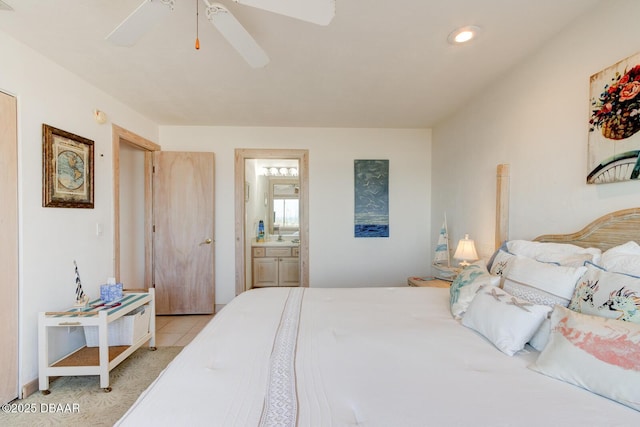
(605, 294)
(501, 262)
(541, 283)
(466, 284)
(508, 322)
(598, 354)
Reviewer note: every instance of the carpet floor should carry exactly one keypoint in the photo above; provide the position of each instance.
(79, 401)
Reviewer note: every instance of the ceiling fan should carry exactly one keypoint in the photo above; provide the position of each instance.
(150, 12)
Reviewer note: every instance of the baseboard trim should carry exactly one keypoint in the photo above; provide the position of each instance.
(29, 388)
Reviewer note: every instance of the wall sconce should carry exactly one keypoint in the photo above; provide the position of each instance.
(466, 251)
(100, 117)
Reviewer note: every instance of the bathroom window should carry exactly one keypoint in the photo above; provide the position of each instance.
(285, 214)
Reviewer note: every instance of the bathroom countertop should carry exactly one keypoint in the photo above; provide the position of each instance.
(275, 243)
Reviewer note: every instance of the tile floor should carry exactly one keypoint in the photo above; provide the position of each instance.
(179, 330)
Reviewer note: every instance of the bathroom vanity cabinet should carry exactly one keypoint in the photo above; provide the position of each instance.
(275, 265)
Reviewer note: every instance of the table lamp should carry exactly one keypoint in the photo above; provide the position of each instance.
(466, 251)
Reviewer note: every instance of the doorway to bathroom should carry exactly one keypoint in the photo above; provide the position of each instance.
(271, 185)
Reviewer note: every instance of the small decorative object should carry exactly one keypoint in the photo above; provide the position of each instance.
(371, 188)
(466, 251)
(112, 291)
(614, 141)
(81, 299)
(260, 236)
(441, 256)
(67, 169)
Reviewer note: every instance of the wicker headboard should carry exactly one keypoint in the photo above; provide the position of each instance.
(606, 232)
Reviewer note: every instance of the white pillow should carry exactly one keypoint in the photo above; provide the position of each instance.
(464, 287)
(572, 260)
(542, 283)
(561, 253)
(605, 294)
(597, 354)
(508, 322)
(541, 337)
(622, 259)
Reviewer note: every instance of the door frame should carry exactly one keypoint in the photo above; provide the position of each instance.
(121, 135)
(242, 154)
(9, 250)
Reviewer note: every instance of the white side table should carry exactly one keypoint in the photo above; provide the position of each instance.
(92, 360)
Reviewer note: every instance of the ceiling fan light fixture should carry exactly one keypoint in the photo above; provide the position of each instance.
(141, 20)
(197, 26)
(464, 34)
(236, 35)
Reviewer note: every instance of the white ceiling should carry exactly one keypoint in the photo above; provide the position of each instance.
(378, 64)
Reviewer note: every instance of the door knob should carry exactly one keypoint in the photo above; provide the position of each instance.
(206, 242)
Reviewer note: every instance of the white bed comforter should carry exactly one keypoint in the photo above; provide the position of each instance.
(363, 356)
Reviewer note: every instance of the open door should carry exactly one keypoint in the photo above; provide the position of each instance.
(183, 227)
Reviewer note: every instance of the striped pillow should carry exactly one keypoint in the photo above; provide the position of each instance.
(541, 283)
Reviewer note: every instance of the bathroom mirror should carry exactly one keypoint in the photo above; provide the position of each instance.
(284, 206)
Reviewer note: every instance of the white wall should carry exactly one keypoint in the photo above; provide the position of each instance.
(536, 119)
(52, 238)
(336, 257)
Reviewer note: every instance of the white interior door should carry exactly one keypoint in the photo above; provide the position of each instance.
(183, 210)
(8, 249)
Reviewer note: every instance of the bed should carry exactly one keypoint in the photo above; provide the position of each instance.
(377, 357)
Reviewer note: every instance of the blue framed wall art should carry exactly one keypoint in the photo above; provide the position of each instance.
(371, 188)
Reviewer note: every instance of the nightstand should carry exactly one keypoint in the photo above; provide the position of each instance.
(427, 282)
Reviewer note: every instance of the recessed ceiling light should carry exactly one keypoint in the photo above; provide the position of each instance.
(464, 34)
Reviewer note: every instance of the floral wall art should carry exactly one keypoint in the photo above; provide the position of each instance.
(614, 140)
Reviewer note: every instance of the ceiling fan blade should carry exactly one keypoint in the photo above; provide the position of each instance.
(236, 35)
(319, 12)
(4, 6)
(147, 15)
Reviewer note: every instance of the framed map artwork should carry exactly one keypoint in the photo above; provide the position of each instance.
(67, 169)
(614, 140)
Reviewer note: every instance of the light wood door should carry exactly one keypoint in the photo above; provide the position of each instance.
(8, 249)
(183, 211)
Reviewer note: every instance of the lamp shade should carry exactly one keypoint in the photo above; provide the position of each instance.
(466, 251)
